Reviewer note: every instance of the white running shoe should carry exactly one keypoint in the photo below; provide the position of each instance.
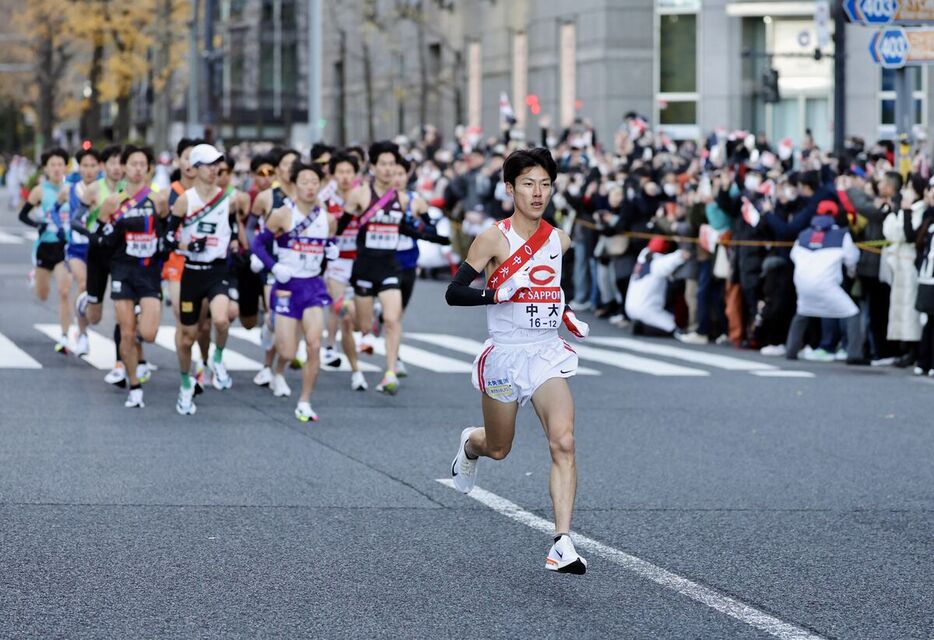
(185, 404)
(918, 371)
(563, 558)
(879, 362)
(143, 372)
(61, 346)
(401, 371)
(305, 413)
(777, 350)
(82, 347)
(366, 343)
(691, 338)
(263, 378)
(358, 382)
(81, 304)
(219, 376)
(280, 388)
(389, 384)
(463, 469)
(117, 375)
(332, 358)
(840, 355)
(135, 399)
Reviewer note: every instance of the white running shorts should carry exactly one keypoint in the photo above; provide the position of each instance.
(339, 270)
(514, 372)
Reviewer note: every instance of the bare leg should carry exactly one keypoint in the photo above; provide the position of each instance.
(494, 439)
(63, 285)
(286, 341)
(221, 321)
(43, 283)
(348, 344)
(392, 324)
(126, 318)
(555, 408)
(313, 325)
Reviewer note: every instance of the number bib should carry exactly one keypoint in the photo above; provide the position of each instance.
(538, 308)
(141, 244)
(384, 237)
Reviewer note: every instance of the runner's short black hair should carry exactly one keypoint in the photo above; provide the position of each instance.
(110, 151)
(259, 160)
(186, 143)
(522, 159)
(383, 146)
(318, 149)
(358, 151)
(131, 149)
(226, 159)
(403, 162)
(83, 153)
(300, 166)
(287, 152)
(57, 152)
(339, 157)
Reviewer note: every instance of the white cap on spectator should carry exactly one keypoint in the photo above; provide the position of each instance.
(204, 154)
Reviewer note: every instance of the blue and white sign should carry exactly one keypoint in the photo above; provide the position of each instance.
(890, 48)
(884, 12)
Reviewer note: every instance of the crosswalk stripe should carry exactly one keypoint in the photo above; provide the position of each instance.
(12, 357)
(470, 347)
(102, 353)
(425, 359)
(783, 373)
(689, 355)
(253, 337)
(165, 337)
(635, 363)
(9, 238)
(31, 234)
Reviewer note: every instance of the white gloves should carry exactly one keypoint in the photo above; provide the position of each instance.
(576, 326)
(332, 251)
(511, 287)
(256, 265)
(282, 273)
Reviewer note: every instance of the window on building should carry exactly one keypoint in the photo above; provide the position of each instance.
(887, 100)
(677, 96)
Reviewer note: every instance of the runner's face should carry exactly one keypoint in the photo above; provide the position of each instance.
(263, 176)
(344, 174)
(307, 187)
(55, 169)
(532, 192)
(185, 167)
(223, 175)
(207, 172)
(284, 170)
(399, 177)
(384, 167)
(113, 169)
(89, 169)
(136, 168)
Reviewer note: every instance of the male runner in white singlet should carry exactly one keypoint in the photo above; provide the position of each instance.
(524, 358)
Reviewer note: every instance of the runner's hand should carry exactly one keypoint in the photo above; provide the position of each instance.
(331, 250)
(282, 273)
(578, 327)
(256, 265)
(515, 284)
(197, 245)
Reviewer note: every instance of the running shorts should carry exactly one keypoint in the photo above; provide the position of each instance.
(371, 276)
(201, 281)
(98, 273)
(49, 254)
(77, 252)
(514, 372)
(339, 270)
(173, 267)
(292, 298)
(133, 281)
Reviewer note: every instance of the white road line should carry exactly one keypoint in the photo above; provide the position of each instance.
(783, 374)
(468, 346)
(31, 234)
(688, 355)
(12, 357)
(424, 359)
(705, 595)
(635, 363)
(165, 338)
(253, 337)
(102, 354)
(9, 238)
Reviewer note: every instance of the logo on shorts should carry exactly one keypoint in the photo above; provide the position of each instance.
(116, 286)
(500, 387)
(282, 304)
(188, 307)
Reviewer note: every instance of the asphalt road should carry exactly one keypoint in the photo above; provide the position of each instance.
(776, 506)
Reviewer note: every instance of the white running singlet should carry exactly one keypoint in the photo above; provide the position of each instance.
(215, 226)
(304, 253)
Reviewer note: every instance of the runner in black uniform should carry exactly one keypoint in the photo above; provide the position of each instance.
(131, 223)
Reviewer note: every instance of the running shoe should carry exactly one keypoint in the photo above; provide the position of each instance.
(563, 558)
(81, 304)
(296, 364)
(389, 384)
(840, 355)
(219, 376)
(332, 358)
(884, 362)
(185, 404)
(117, 375)
(263, 378)
(305, 413)
(401, 371)
(135, 399)
(818, 355)
(358, 382)
(82, 348)
(463, 469)
(366, 343)
(198, 374)
(62, 345)
(777, 350)
(620, 321)
(143, 373)
(280, 388)
(918, 371)
(691, 338)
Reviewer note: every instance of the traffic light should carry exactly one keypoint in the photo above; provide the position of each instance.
(770, 86)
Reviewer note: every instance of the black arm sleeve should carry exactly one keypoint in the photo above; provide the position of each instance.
(24, 215)
(171, 232)
(343, 222)
(461, 294)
